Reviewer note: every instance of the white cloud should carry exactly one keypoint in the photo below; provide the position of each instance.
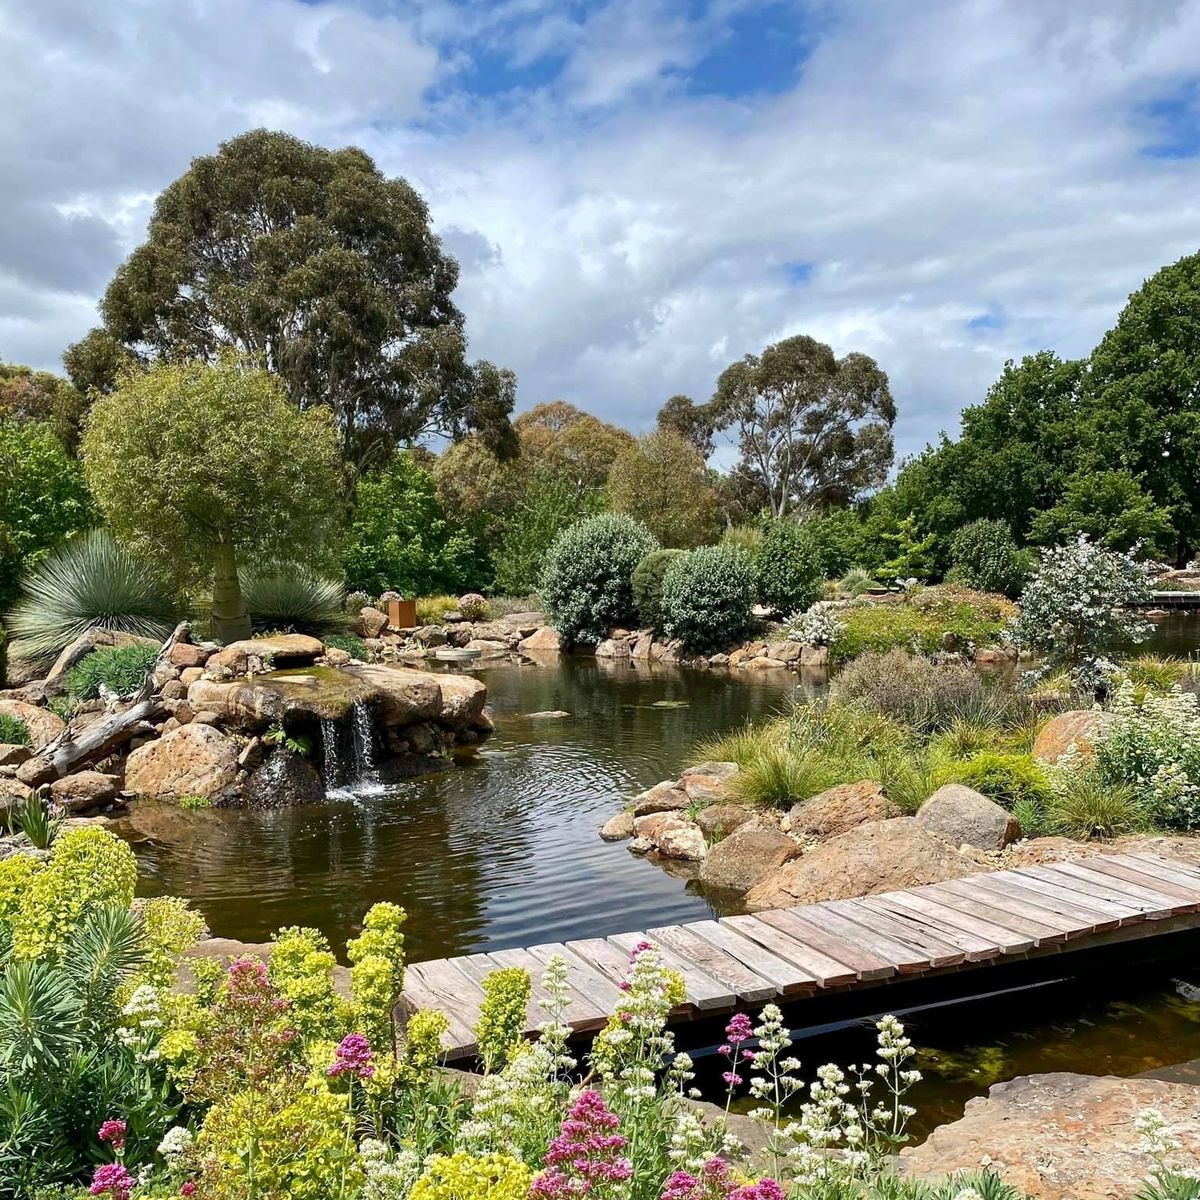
(621, 237)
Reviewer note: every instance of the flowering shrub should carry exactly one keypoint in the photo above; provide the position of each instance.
(587, 579)
(818, 626)
(472, 607)
(501, 1024)
(707, 595)
(463, 1176)
(1152, 744)
(1073, 612)
(586, 1158)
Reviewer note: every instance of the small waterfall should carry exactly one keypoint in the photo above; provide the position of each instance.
(330, 739)
(363, 729)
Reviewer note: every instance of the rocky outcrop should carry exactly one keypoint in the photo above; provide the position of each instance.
(840, 809)
(43, 725)
(964, 817)
(194, 760)
(734, 865)
(1077, 728)
(881, 856)
(1062, 1136)
(255, 654)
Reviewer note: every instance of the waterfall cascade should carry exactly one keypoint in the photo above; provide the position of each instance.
(363, 731)
(349, 755)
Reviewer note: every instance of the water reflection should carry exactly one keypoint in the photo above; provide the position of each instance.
(501, 851)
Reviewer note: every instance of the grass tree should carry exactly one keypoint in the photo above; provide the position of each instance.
(198, 466)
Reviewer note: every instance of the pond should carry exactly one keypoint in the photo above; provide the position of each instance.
(1175, 635)
(500, 851)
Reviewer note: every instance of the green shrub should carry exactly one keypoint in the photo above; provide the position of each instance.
(121, 669)
(647, 586)
(856, 581)
(473, 607)
(88, 583)
(986, 556)
(349, 642)
(293, 597)
(837, 540)
(1085, 805)
(542, 512)
(707, 596)
(1008, 779)
(587, 582)
(13, 731)
(788, 571)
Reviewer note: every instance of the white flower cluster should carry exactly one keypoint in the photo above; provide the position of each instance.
(176, 1142)
(387, 1175)
(818, 626)
(141, 1023)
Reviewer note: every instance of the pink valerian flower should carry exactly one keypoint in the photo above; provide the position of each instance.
(764, 1189)
(586, 1156)
(353, 1057)
(714, 1182)
(188, 1189)
(113, 1130)
(737, 1031)
(112, 1180)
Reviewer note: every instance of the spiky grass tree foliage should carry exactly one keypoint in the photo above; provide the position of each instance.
(91, 582)
(586, 584)
(294, 597)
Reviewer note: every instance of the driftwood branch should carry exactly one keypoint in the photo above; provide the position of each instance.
(68, 750)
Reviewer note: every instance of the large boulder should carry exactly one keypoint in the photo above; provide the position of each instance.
(720, 820)
(83, 645)
(1061, 1136)
(84, 790)
(737, 863)
(313, 694)
(43, 725)
(370, 622)
(840, 809)
(1077, 728)
(880, 856)
(193, 760)
(667, 796)
(283, 781)
(618, 827)
(277, 650)
(545, 640)
(679, 838)
(964, 817)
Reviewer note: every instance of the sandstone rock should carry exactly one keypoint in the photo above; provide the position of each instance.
(763, 663)
(251, 754)
(463, 698)
(1061, 1136)
(13, 755)
(681, 839)
(840, 809)
(189, 675)
(718, 660)
(544, 639)
(880, 856)
(618, 828)
(814, 656)
(640, 845)
(718, 770)
(965, 817)
(704, 789)
(648, 827)
(174, 689)
(551, 714)
(283, 781)
(84, 790)
(430, 635)
(206, 716)
(667, 796)
(746, 856)
(370, 622)
(642, 647)
(42, 724)
(184, 654)
(785, 652)
(526, 623)
(992, 656)
(488, 647)
(277, 651)
(613, 648)
(13, 794)
(1078, 727)
(34, 772)
(83, 645)
(194, 760)
(720, 820)
(333, 657)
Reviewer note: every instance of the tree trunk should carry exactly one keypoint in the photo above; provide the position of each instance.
(230, 618)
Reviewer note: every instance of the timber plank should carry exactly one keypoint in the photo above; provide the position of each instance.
(438, 985)
(1094, 887)
(704, 991)
(1164, 868)
(826, 971)
(1037, 923)
(790, 979)
(903, 956)
(809, 927)
(1057, 901)
(603, 957)
(1182, 900)
(581, 1012)
(750, 987)
(596, 989)
(938, 952)
(988, 939)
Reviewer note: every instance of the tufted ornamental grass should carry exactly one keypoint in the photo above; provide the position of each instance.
(432, 610)
(294, 598)
(90, 582)
(1086, 806)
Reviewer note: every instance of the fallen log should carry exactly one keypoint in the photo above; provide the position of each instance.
(102, 737)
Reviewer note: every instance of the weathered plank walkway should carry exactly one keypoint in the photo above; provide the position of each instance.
(788, 954)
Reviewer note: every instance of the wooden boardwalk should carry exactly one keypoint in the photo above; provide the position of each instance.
(792, 953)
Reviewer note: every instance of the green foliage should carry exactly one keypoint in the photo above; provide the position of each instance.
(986, 557)
(543, 511)
(120, 669)
(432, 610)
(1087, 806)
(501, 1025)
(1111, 508)
(907, 554)
(39, 822)
(586, 584)
(349, 642)
(1008, 779)
(837, 539)
(300, 969)
(39, 396)
(43, 499)
(89, 583)
(707, 596)
(13, 731)
(463, 1176)
(377, 971)
(291, 743)
(400, 538)
(294, 598)
(788, 569)
(647, 586)
(856, 581)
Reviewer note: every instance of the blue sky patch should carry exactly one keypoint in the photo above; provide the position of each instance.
(1176, 120)
(799, 272)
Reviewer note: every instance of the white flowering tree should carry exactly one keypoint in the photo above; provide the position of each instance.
(1076, 609)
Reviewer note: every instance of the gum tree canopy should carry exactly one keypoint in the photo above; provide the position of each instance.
(313, 265)
(813, 428)
(195, 466)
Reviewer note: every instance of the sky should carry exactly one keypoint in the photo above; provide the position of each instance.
(639, 192)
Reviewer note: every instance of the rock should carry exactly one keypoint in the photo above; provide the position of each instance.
(430, 635)
(189, 675)
(993, 656)
(746, 856)
(23, 671)
(618, 828)
(763, 663)
(194, 760)
(463, 698)
(174, 689)
(184, 654)
(13, 755)
(206, 716)
(785, 652)
(488, 647)
(667, 796)
(370, 622)
(34, 772)
(277, 651)
(814, 656)
(640, 845)
(839, 809)
(283, 781)
(718, 660)
(252, 754)
(964, 817)
(13, 794)
(642, 647)
(613, 648)
(84, 790)
(880, 856)
(681, 839)
(526, 623)
(720, 820)
(704, 789)
(1077, 727)
(552, 714)
(723, 771)
(83, 645)
(42, 724)
(1061, 1136)
(334, 657)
